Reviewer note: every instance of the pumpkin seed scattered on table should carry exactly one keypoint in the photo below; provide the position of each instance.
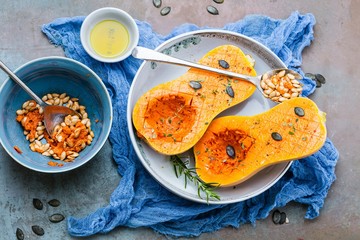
(212, 10)
(276, 216)
(38, 230)
(54, 203)
(19, 234)
(157, 3)
(279, 217)
(56, 218)
(218, 1)
(310, 75)
(282, 218)
(38, 204)
(320, 78)
(165, 11)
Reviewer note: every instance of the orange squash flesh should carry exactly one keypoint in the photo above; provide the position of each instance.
(255, 148)
(173, 116)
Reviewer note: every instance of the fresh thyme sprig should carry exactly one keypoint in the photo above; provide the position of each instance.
(190, 175)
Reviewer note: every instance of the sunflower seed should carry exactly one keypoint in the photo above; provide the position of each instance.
(38, 230)
(38, 204)
(57, 217)
(19, 234)
(165, 11)
(212, 10)
(157, 3)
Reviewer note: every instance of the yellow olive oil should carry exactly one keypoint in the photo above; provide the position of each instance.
(109, 38)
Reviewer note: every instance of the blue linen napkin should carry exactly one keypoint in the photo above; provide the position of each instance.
(139, 200)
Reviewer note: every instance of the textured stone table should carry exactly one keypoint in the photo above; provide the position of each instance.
(334, 53)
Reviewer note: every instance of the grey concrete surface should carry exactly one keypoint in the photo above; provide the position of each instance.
(334, 53)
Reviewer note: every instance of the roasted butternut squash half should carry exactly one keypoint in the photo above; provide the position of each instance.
(234, 148)
(174, 115)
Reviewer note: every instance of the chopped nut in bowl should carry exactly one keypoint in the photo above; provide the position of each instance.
(281, 86)
(64, 82)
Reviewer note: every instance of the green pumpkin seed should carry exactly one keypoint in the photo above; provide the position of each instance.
(212, 10)
(38, 204)
(318, 84)
(165, 11)
(195, 84)
(224, 64)
(320, 78)
(276, 216)
(282, 218)
(38, 230)
(57, 217)
(230, 91)
(230, 151)
(157, 3)
(299, 111)
(54, 203)
(218, 1)
(19, 234)
(276, 136)
(310, 75)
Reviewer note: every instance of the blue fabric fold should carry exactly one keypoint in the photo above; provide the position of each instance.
(139, 201)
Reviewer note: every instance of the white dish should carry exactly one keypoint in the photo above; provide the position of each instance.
(192, 46)
(109, 13)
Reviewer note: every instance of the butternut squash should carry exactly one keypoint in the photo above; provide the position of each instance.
(174, 115)
(234, 148)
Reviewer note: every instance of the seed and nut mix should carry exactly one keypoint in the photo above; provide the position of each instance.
(69, 137)
(281, 86)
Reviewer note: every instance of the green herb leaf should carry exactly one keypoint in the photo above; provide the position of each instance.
(190, 175)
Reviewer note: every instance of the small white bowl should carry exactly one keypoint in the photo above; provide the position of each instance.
(103, 14)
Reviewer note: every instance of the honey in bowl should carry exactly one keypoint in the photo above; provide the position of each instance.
(109, 38)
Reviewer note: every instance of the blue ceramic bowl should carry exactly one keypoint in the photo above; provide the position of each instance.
(54, 75)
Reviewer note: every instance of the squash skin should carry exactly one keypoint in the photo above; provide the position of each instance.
(301, 137)
(173, 116)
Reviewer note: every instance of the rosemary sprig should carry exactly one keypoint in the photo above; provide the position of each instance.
(190, 175)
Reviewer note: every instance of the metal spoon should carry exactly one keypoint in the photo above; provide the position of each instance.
(53, 114)
(152, 55)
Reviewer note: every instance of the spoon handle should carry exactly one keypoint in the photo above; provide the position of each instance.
(152, 55)
(21, 83)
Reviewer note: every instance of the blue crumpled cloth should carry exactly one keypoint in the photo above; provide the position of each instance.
(139, 200)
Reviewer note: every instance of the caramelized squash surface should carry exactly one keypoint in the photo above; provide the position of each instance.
(174, 115)
(234, 148)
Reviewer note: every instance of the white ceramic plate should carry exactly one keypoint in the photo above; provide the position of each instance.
(192, 46)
